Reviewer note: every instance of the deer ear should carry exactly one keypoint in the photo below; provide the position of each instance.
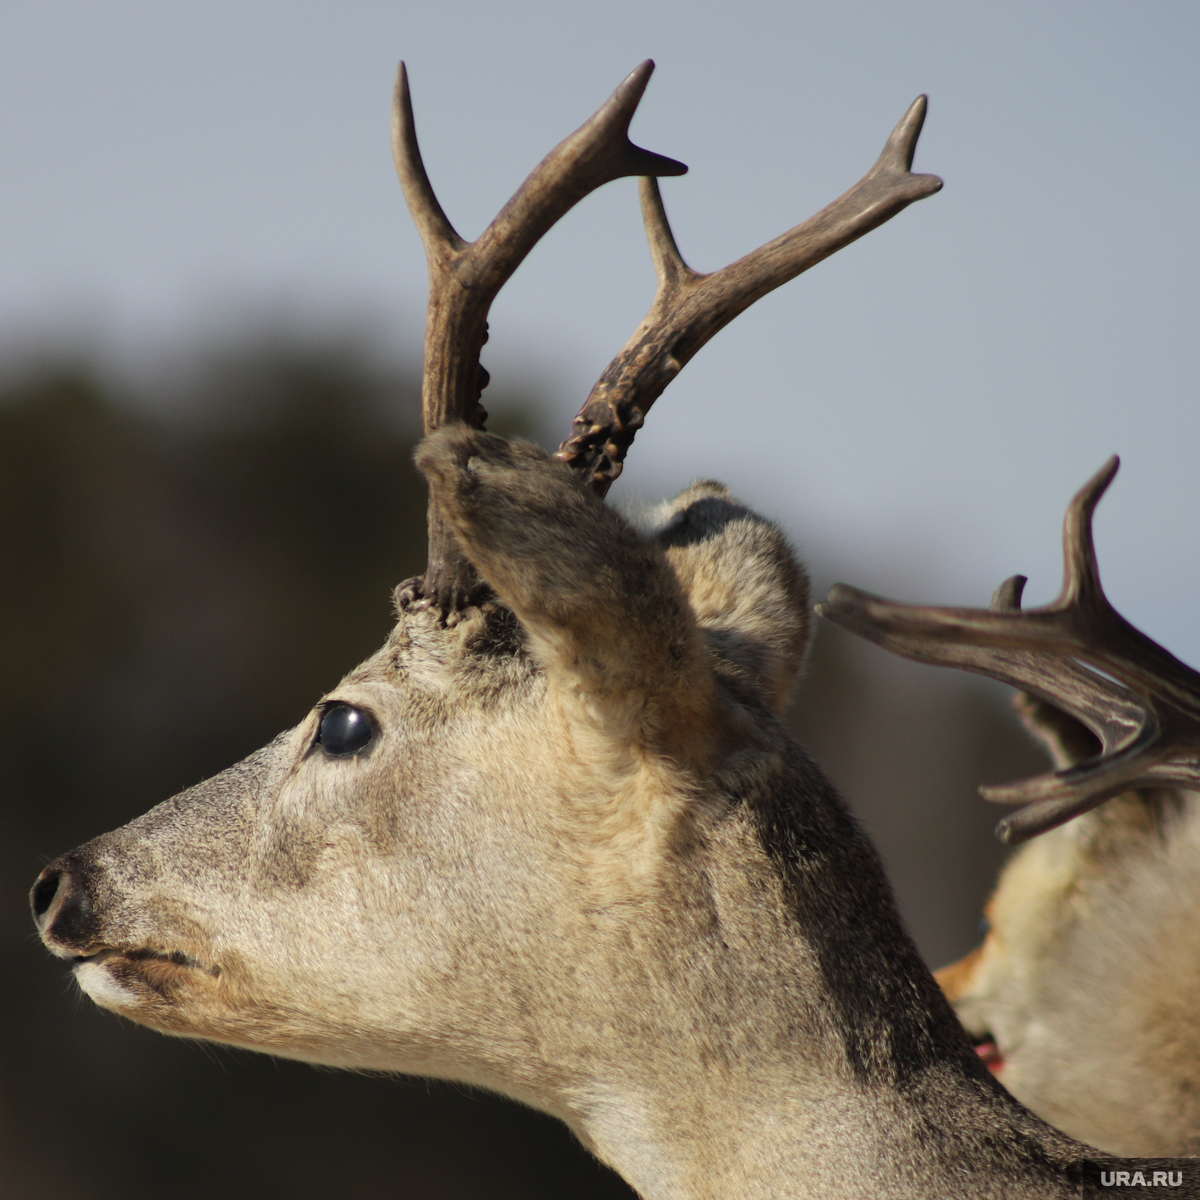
(745, 585)
(603, 608)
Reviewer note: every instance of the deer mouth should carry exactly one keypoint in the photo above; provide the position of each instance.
(989, 1051)
(176, 957)
(120, 977)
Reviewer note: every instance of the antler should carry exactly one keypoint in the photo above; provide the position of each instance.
(1144, 707)
(464, 277)
(689, 308)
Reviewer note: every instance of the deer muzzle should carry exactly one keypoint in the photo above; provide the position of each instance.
(71, 902)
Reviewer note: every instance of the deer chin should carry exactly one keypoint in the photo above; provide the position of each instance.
(175, 993)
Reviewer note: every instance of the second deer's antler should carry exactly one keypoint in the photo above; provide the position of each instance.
(1078, 654)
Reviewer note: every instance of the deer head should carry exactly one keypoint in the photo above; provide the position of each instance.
(552, 838)
(1082, 997)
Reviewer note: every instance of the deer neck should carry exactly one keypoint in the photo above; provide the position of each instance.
(770, 1051)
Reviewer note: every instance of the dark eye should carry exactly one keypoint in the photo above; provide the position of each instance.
(344, 730)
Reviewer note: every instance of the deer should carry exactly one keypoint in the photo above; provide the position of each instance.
(1082, 996)
(553, 839)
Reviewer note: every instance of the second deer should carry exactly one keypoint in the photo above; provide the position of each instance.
(1083, 996)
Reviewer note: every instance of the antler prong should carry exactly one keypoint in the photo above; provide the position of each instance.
(901, 146)
(1078, 654)
(438, 236)
(1081, 575)
(1007, 597)
(669, 266)
(690, 308)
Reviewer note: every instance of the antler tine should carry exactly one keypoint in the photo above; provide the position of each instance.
(669, 266)
(1144, 706)
(464, 277)
(437, 234)
(689, 308)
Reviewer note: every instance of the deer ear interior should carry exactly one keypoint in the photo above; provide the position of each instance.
(747, 589)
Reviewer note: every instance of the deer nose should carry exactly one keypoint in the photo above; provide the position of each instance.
(62, 911)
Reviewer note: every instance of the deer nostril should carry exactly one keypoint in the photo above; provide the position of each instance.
(42, 896)
(62, 909)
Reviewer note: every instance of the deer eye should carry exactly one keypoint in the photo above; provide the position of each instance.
(344, 731)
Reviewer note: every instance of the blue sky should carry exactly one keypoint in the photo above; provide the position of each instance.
(917, 409)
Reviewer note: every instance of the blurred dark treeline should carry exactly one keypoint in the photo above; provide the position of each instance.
(179, 582)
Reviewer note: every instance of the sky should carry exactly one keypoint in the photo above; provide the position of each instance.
(916, 410)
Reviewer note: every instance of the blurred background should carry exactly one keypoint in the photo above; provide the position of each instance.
(210, 325)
